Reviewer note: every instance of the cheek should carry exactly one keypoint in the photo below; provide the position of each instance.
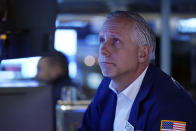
(128, 58)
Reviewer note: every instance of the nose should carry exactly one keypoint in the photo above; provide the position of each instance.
(105, 49)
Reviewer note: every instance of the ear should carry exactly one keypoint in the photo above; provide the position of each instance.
(144, 53)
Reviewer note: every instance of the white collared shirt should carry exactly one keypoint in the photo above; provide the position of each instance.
(125, 101)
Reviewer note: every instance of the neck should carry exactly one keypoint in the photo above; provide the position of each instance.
(123, 81)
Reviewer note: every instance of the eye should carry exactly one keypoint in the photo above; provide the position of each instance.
(116, 42)
(101, 40)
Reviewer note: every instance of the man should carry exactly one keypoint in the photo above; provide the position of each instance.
(53, 70)
(135, 95)
(52, 66)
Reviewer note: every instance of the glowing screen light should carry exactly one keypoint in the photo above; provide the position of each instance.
(26, 66)
(29, 67)
(187, 25)
(72, 69)
(66, 42)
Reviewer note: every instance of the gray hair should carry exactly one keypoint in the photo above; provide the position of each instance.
(144, 34)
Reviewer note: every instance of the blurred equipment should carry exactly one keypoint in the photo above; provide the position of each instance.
(26, 109)
(70, 114)
(3, 37)
(29, 25)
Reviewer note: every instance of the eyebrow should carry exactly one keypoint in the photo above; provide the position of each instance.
(112, 36)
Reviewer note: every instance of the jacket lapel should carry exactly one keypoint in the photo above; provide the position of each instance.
(107, 107)
(142, 94)
(110, 113)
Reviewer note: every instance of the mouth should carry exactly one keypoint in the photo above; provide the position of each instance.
(107, 63)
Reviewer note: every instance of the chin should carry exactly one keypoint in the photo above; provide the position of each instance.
(108, 74)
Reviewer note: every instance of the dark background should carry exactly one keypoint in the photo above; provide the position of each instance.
(29, 25)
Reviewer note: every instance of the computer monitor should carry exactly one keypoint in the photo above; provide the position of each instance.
(26, 109)
(19, 68)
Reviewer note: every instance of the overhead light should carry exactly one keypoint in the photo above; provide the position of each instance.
(187, 25)
(89, 60)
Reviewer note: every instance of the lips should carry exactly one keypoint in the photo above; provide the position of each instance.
(106, 61)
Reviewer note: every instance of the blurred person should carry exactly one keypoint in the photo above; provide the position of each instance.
(52, 69)
(135, 95)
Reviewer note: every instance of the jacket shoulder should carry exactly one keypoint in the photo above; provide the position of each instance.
(171, 100)
(169, 91)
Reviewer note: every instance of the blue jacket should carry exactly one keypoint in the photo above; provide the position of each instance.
(159, 98)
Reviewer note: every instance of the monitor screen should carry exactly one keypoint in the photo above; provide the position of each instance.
(26, 109)
(19, 68)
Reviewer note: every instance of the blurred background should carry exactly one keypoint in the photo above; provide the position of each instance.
(30, 28)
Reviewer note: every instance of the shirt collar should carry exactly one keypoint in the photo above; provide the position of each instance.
(132, 90)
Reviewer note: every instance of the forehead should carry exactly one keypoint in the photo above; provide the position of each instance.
(117, 25)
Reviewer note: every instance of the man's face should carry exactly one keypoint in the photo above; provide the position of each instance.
(118, 52)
